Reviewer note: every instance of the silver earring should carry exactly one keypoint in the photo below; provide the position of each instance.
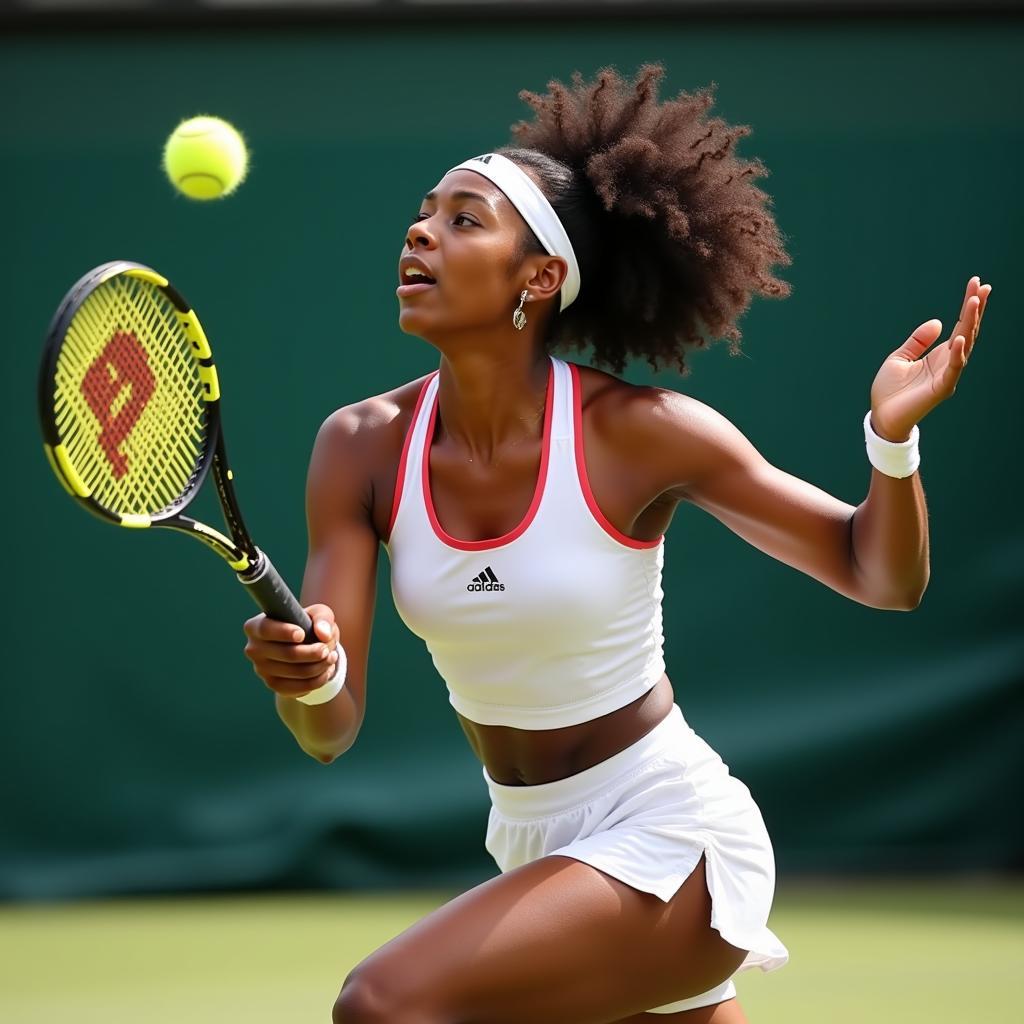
(519, 317)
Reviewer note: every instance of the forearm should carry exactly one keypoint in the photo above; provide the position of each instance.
(889, 541)
(324, 731)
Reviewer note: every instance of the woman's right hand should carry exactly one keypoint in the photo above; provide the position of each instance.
(286, 665)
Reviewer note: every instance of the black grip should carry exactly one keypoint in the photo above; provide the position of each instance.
(271, 593)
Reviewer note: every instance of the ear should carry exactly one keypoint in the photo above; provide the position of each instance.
(548, 274)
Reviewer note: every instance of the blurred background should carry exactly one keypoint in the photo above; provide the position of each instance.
(165, 846)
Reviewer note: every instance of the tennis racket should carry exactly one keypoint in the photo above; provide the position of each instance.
(129, 405)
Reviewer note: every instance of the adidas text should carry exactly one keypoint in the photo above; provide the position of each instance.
(485, 581)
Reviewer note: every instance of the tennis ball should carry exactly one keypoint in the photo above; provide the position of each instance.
(205, 158)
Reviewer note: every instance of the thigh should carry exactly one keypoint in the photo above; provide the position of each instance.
(555, 941)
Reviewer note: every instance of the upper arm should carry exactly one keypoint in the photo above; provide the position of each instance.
(711, 464)
(341, 565)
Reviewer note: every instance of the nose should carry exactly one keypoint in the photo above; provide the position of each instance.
(418, 234)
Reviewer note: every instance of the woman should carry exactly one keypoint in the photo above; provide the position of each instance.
(523, 502)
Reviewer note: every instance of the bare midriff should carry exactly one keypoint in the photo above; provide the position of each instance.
(529, 757)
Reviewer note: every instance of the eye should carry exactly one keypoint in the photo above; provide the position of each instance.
(461, 216)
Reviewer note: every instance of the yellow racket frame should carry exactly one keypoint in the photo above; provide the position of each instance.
(124, 335)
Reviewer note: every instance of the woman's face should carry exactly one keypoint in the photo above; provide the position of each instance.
(466, 236)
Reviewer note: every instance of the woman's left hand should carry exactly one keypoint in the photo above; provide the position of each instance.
(908, 387)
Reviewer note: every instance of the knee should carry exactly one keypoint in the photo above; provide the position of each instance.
(359, 1000)
(367, 998)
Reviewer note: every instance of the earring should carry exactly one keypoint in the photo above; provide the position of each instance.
(519, 317)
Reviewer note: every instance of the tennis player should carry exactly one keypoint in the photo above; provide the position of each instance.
(523, 502)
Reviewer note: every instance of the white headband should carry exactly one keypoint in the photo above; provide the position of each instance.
(522, 192)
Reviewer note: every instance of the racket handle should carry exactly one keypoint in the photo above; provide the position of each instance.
(271, 593)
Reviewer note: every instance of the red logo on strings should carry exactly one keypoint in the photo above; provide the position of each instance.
(123, 363)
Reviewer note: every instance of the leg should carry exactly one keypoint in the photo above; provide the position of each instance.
(552, 942)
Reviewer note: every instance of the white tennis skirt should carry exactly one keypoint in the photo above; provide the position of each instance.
(645, 815)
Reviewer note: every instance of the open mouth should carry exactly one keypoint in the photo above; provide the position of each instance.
(413, 283)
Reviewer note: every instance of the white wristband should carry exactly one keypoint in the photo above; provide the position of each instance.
(333, 685)
(893, 458)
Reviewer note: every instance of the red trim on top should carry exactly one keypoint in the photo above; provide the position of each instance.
(581, 471)
(400, 479)
(507, 538)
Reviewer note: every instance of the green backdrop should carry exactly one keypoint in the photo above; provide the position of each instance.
(138, 750)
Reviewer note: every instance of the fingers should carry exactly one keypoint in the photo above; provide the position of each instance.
(970, 322)
(323, 622)
(289, 654)
(286, 665)
(298, 687)
(283, 667)
(971, 312)
(955, 364)
(920, 340)
(983, 293)
(320, 611)
(970, 331)
(259, 627)
(972, 289)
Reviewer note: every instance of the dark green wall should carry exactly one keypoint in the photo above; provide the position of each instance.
(138, 750)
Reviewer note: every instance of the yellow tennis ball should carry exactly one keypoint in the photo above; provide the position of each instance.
(205, 158)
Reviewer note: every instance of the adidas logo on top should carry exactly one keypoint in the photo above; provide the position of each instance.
(485, 581)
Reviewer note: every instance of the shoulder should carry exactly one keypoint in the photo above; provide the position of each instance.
(677, 438)
(357, 450)
(613, 405)
(373, 425)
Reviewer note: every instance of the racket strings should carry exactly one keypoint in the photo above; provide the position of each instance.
(185, 426)
(168, 467)
(129, 400)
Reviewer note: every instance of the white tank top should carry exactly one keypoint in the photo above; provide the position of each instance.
(554, 623)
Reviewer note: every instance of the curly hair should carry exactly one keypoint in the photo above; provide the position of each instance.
(672, 236)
